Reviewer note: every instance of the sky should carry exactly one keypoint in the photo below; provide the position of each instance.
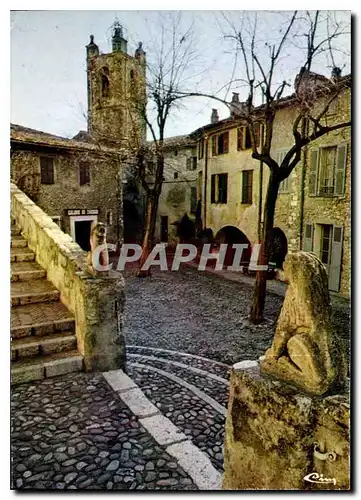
(48, 65)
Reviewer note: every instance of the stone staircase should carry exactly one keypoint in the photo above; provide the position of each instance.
(43, 341)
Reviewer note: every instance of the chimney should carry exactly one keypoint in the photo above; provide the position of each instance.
(336, 73)
(214, 116)
(235, 97)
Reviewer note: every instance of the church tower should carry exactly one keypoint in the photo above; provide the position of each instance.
(116, 92)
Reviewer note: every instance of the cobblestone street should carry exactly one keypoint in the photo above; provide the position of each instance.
(183, 331)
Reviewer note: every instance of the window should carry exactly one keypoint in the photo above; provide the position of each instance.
(131, 74)
(326, 243)
(47, 170)
(219, 188)
(109, 218)
(176, 152)
(105, 82)
(327, 171)
(194, 163)
(220, 144)
(247, 184)
(200, 149)
(84, 174)
(285, 185)
(244, 136)
(175, 175)
(193, 199)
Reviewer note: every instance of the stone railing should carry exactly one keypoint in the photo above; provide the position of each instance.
(96, 301)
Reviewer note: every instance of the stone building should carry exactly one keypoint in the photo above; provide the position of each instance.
(74, 182)
(81, 180)
(313, 205)
(178, 200)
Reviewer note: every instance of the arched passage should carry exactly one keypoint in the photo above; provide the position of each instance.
(230, 235)
(277, 247)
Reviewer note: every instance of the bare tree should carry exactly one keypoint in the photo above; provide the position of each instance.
(166, 72)
(313, 97)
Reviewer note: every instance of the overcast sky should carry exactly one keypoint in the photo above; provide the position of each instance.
(48, 67)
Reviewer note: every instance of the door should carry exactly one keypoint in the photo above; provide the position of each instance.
(82, 233)
(164, 228)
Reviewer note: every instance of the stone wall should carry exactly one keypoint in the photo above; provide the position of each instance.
(95, 301)
(103, 193)
(276, 436)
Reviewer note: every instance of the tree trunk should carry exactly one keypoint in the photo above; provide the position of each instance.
(259, 293)
(150, 219)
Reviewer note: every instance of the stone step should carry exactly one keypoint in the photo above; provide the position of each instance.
(40, 319)
(32, 292)
(40, 367)
(18, 242)
(21, 255)
(15, 231)
(23, 271)
(34, 346)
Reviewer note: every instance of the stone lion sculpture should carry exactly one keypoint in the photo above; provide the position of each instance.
(305, 351)
(98, 236)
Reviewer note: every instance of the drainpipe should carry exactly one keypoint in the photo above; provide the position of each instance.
(205, 181)
(303, 176)
(260, 194)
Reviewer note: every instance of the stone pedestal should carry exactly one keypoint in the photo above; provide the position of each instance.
(277, 438)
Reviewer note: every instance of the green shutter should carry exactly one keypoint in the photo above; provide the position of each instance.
(313, 175)
(340, 169)
(334, 274)
(308, 237)
(214, 143)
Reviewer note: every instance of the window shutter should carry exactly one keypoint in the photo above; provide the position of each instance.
(312, 184)
(213, 189)
(194, 166)
(340, 169)
(214, 143)
(308, 238)
(334, 274)
(240, 138)
(226, 142)
(193, 199)
(189, 163)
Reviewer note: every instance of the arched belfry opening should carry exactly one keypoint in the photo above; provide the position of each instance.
(105, 83)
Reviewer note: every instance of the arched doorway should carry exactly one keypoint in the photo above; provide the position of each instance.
(230, 235)
(278, 247)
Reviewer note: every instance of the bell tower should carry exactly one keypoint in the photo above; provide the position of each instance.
(116, 92)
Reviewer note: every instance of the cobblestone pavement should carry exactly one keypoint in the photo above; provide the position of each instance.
(205, 314)
(183, 332)
(73, 432)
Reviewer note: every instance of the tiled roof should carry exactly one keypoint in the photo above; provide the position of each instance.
(21, 134)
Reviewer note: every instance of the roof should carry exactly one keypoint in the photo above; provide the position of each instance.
(26, 135)
(280, 103)
(177, 141)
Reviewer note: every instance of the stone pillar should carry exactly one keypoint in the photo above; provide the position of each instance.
(276, 436)
(103, 341)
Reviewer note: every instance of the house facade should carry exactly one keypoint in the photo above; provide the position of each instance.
(74, 182)
(313, 205)
(178, 199)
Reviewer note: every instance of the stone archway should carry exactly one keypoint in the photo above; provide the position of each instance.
(278, 247)
(230, 235)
